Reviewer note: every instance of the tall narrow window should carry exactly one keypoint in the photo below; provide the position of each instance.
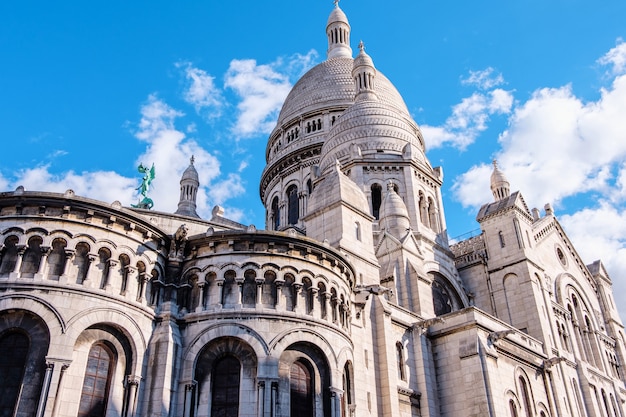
(275, 213)
(357, 231)
(376, 199)
(32, 257)
(95, 392)
(13, 353)
(226, 379)
(9, 257)
(400, 360)
(525, 396)
(57, 258)
(301, 394)
(512, 408)
(293, 211)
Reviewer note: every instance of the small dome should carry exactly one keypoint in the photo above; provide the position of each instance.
(394, 215)
(500, 186)
(190, 173)
(363, 59)
(337, 16)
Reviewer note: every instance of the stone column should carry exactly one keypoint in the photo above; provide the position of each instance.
(280, 299)
(130, 399)
(259, 291)
(297, 306)
(112, 264)
(335, 401)
(45, 251)
(316, 312)
(43, 397)
(220, 291)
(18, 263)
(201, 285)
(53, 396)
(142, 280)
(189, 399)
(326, 301)
(131, 284)
(239, 281)
(88, 282)
(261, 399)
(69, 255)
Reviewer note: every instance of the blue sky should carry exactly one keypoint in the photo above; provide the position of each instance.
(88, 90)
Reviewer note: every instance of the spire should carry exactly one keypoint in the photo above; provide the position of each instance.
(189, 184)
(499, 183)
(338, 32)
(364, 75)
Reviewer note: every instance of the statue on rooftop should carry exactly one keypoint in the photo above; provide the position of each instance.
(148, 176)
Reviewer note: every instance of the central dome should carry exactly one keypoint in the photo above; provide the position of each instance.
(330, 85)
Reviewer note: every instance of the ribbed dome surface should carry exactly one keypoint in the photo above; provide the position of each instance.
(337, 15)
(375, 127)
(190, 173)
(329, 84)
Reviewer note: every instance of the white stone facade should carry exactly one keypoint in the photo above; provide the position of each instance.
(351, 303)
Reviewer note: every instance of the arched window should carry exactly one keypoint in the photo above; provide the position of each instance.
(445, 297)
(376, 199)
(525, 396)
(57, 259)
(288, 292)
(249, 289)
(268, 296)
(432, 215)
(226, 380)
(81, 261)
(293, 210)
(347, 398)
(13, 353)
(31, 258)
(512, 408)
(9, 256)
(301, 392)
(400, 361)
(124, 263)
(275, 214)
(104, 255)
(95, 392)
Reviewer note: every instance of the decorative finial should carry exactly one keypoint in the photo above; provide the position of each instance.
(336, 3)
(495, 164)
(192, 160)
(361, 46)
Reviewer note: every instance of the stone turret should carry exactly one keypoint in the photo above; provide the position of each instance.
(500, 186)
(189, 184)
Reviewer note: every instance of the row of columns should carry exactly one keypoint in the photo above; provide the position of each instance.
(267, 399)
(53, 386)
(127, 285)
(332, 311)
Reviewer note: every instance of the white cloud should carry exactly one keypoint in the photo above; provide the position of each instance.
(262, 90)
(485, 79)
(469, 118)
(600, 233)
(228, 188)
(616, 57)
(106, 186)
(201, 91)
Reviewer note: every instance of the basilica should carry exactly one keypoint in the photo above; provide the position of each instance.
(352, 302)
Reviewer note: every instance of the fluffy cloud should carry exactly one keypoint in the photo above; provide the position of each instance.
(201, 90)
(485, 79)
(101, 185)
(616, 58)
(469, 118)
(261, 90)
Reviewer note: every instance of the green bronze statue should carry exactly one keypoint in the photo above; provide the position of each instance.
(148, 175)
